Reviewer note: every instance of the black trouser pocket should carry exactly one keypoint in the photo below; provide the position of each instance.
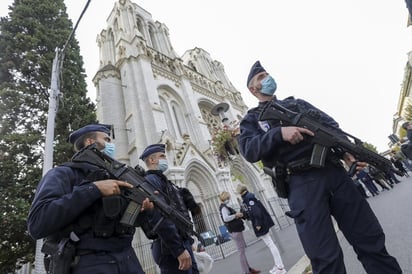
(297, 215)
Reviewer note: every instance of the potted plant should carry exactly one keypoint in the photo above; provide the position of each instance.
(224, 141)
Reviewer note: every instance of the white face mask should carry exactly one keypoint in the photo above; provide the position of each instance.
(226, 202)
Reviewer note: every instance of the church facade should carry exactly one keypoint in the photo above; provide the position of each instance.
(152, 95)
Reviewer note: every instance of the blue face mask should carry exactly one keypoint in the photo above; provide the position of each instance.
(109, 149)
(163, 165)
(268, 86)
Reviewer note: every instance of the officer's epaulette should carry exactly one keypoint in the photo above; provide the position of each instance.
(255, 109)
(91, 172)
(85, 168)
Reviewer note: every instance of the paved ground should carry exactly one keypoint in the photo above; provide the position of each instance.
(259, 256)
(394, 210)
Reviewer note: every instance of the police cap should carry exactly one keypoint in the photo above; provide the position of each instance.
(89, 128)
(152, 149)
(256, 68)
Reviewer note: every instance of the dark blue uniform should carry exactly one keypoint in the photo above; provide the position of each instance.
(67, 200)
(169, 242)
(257, 214)
(317, 193)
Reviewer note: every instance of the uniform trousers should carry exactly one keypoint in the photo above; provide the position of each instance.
(169, 264)
(319, 193)
(121, 262)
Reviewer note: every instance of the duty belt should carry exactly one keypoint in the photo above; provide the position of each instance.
(298, 166)
(301, 165)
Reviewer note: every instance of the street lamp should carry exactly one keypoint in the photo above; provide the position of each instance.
(219, 110)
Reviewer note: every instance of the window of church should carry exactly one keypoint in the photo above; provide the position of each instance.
(180, 120)
(153, 38)
(140, 26)
(168, 117)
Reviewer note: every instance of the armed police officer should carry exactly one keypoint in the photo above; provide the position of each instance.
(313, 193)
(77, 209)
(172, 247)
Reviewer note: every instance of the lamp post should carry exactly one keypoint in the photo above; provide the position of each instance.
(49, 140)
(220, 110)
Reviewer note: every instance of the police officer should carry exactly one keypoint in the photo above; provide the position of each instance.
(171, 248)
(314, 194)
(81, 203)
(261, 222)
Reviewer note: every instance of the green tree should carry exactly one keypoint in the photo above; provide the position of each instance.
(29, 36)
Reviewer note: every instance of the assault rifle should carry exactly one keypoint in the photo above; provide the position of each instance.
(141, 190)
(326, 138)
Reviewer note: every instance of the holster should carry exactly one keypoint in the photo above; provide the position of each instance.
(59, 256)
(280, 181)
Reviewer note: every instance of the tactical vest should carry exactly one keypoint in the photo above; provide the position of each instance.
(102, 218)
(286, 151)
(174, 198)
(236, 225)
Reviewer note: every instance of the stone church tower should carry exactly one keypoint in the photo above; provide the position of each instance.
(152, 95)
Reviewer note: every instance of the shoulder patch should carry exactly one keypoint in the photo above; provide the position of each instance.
(251, 203)
(264, 125)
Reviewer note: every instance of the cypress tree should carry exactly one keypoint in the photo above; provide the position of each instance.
(29, 36)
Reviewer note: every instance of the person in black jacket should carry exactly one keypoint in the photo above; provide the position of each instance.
(78, 207)
(171, 248)
(316, 190)
(261, 222)
(234, 223)
(399, 165)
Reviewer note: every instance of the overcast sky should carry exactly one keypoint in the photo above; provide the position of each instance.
(345, 57)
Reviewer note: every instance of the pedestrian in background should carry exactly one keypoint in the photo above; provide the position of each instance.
(261, 222)
(399, 165)
(234, 223)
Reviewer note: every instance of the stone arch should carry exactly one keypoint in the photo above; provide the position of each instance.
(246, 174)
(199, 179)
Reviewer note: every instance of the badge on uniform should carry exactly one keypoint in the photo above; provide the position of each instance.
(251, 203)
(264, 125)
